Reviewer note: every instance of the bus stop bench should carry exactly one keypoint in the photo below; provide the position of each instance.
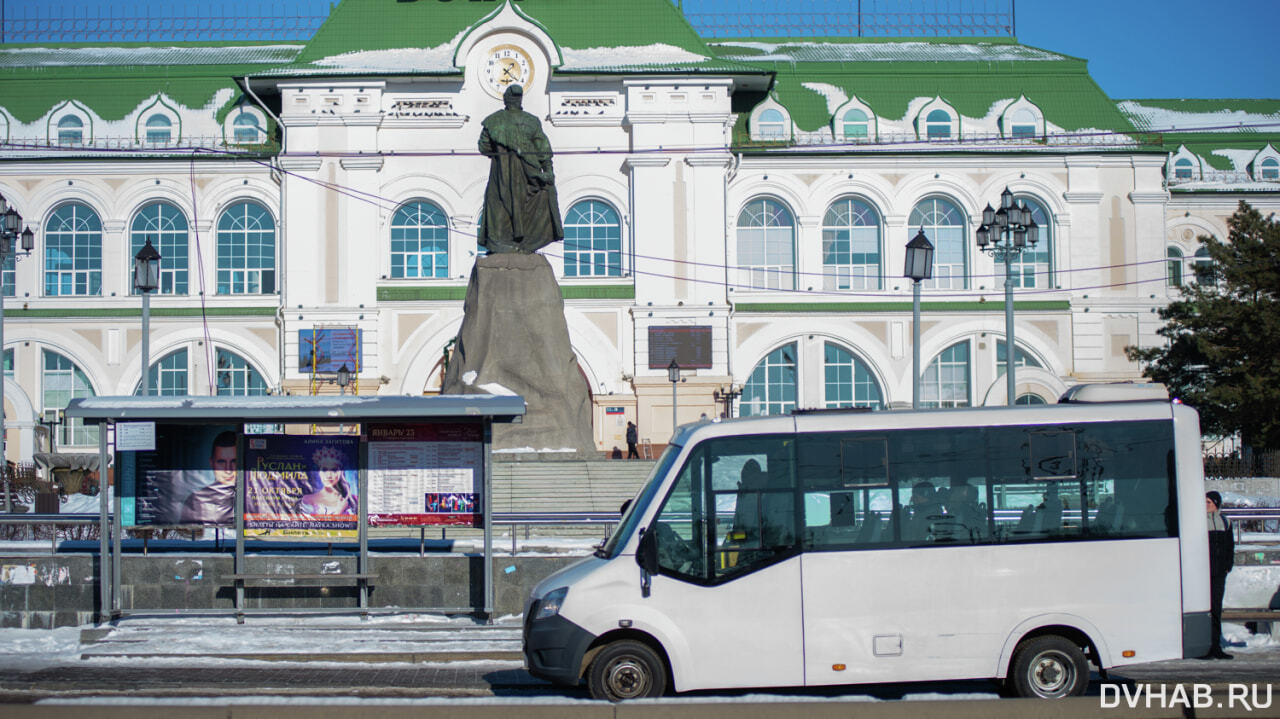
(1250, 615)
(304, 577)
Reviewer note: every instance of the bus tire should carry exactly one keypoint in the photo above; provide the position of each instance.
(1049, 667)
(627, 669)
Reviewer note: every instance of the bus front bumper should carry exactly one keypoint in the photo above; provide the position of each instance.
(553, 649)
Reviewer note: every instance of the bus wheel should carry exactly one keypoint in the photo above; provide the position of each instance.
(1049, 667)
(627, 669)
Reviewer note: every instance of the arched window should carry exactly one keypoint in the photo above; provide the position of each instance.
(1203, 265)
(855, 125)
(62, 381)
(235, 376)
(159, 129)
(166, 227)
(851, 246)
(1034, 266)
(247, 128)
(1270, 169)
(766, 246)
(592, 240)
(70, 130)
(1023, 123)
(946, 380)
(1173, 270)
(1021, 358)
(847, 382)
(1030, 399)
(419, 241)
(771, 388)
(1182, 169)
(938, 125)
(168, 376)
(73, 252)
(771, 124)
(944, 225)
(246, 250)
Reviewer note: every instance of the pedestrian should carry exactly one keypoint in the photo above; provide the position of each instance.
(633, 436)
(1222, 556)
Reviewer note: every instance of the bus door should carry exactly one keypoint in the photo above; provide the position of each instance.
(729, 566)
(876, 608)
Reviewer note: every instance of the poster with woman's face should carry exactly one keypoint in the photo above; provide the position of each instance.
(302, 483)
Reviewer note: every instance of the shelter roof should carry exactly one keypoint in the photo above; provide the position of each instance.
(277, 408)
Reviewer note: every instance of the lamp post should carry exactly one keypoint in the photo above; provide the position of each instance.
(673, 376)
(919, 266)
(727, 395)
(10, 221)
(344, 379)
(1005, 233)
(146, 278)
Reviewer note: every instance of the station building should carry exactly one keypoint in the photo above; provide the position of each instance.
(748, 201)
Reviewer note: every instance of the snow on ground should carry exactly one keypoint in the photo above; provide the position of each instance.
(31, 649)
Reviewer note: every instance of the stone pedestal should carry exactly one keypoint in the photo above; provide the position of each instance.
(514, 340)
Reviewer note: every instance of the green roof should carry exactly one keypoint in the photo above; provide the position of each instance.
(972, 75)
(373, 25)
(112, 80)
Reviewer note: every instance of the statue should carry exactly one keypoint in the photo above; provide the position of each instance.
(521, 211)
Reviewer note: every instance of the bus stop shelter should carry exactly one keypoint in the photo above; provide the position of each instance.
(142, 425)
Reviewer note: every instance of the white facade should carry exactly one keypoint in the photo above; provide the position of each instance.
(654, 152)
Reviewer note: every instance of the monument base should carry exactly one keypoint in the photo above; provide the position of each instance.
(514, 340)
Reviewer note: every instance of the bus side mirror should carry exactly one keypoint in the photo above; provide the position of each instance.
(647, 558)
(623, 509)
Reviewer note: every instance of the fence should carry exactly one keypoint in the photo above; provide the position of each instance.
(236, 20)
(1237, 465)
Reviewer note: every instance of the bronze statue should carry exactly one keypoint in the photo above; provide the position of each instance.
(521, 211)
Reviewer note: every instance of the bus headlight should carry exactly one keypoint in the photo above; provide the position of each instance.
(550, 604)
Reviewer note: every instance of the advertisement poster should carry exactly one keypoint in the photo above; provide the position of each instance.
(426, 474)
(303, 484)
(326, 350)
(188, 479)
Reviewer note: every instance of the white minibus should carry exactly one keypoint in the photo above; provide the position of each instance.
(849, 547)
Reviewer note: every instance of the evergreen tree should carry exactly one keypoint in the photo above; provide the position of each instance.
(1223, 351)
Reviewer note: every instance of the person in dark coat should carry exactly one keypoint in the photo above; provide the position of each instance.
(633, 436)
(1222, 556)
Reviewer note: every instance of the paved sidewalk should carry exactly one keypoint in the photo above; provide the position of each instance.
(413, 639)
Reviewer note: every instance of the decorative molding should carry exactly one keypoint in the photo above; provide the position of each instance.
(91, 312)
(905, 307)
(634, 161)
(1087, 198)
(361, 163)
(300, 164)
(1148, 198)
(708, 160)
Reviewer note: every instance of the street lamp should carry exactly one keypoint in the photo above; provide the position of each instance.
(1005, 234)
(727, 395)
(919, 267)
(344, 378)
(673, 376)
(10, 221)
(146, 278)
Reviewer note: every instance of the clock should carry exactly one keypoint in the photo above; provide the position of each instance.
(506, 65)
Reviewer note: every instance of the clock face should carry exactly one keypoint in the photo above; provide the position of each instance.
(506, 65)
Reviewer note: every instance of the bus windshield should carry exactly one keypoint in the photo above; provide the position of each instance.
(636, 509)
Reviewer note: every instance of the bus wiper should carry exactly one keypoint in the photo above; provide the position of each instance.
(599, 550)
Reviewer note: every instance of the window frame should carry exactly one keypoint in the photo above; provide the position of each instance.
(412, 247)
(171, 236)
(844, 219)
(603, 251)
(772, 276)
(955, 237)
(236, 241)
(79, 267)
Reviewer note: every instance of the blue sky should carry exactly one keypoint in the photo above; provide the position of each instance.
(1135, 48)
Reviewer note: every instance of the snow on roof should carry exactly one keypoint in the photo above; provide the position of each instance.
(1240, 159)
(27, 57)
(1149, 117)
(593, 58)
(795, 51)
(439, 59)
(834, 96)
